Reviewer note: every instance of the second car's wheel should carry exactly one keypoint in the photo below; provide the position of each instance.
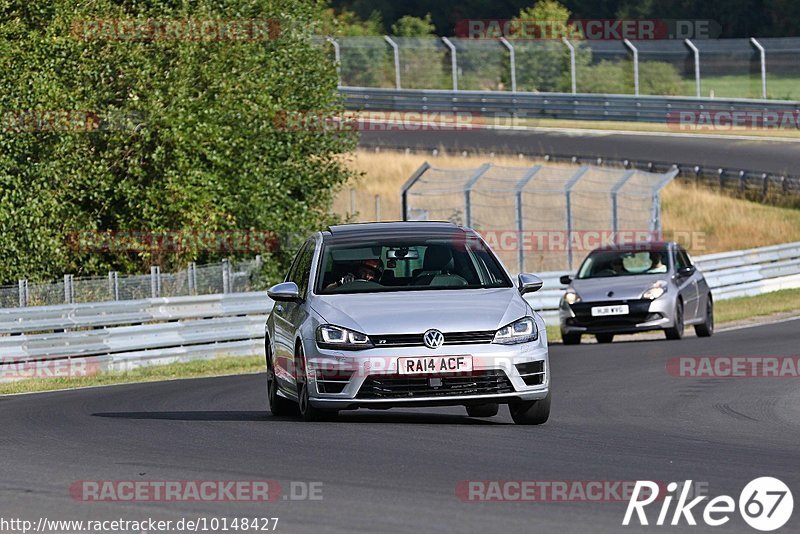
(530, 412)
(570, 339)
(676, 332)
(706, 328)
(604, 338)
(483, 410)
(277, 405)
(307, 411)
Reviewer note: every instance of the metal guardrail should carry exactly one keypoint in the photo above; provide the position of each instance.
(740, 273)
(585, 106)
(127, 334)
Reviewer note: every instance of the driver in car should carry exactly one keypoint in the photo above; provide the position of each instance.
(368, 271)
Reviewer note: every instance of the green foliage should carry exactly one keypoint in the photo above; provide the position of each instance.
(409, 26)
(199, 147)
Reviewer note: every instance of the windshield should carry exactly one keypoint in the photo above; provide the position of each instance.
(610, 263)
(457, 261)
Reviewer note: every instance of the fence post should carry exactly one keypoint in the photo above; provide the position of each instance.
(352, 202)
(696, 52)
(113, 284)
(614, 207)
(155, 281)
(512, 63)
(377, 208)
(763, 56)
(520, 221)
(69, 290)
(572, 67)
(468, 189)
(226, 276)
(23, 293)
(453, 61)
(396, 50)
(635, 66)
(337, 56)
(410, 182)
(191, 272)
(568, 193)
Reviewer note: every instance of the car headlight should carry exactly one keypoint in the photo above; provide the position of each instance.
(520, 331)
(655, 291)
(336, 337)
(571, 297)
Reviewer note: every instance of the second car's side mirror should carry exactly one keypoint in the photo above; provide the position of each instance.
(687, 271)
(529, 283)
(565, 280)
(284, 292)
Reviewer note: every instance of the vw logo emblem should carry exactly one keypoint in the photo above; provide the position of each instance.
(433, 339)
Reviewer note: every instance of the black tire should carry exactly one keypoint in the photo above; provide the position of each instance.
(483, 410)
(307, 411)
(676, 332)
(570, 339)
(278, 405)
(530, 412)
(604, 338)
(706, 328)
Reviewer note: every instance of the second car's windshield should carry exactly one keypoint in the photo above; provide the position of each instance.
(457, 261)
(608, 263)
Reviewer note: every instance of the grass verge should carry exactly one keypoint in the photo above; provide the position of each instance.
(194, 369)
(738, 309)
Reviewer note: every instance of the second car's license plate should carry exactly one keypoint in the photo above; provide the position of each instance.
(434, 364)
(599, 311)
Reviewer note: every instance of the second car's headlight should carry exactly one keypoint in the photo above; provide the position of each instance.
(655, 291)
(336, 337)
(571, 297)
(520, 331)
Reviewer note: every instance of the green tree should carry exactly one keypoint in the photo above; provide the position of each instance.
(191, 137)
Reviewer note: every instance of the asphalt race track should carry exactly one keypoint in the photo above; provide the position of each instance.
(617, 415)
(758, 155)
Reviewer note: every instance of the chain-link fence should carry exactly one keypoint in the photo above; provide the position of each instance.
(725, 68)
(544, 217)
(224, 277)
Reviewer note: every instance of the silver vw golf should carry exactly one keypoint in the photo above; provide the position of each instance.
(382, 315)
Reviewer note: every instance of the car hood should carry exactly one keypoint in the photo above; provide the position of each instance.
(412, 312)
(623, 287)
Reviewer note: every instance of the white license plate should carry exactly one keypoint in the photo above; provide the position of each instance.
(600, 311)
(434, 364)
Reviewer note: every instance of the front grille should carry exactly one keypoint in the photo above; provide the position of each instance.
(450, 338)
(411, 386)
(638, 312)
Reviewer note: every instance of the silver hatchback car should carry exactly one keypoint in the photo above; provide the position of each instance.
(382, 315)
(633, 288)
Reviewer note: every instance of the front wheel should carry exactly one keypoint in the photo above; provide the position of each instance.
(570, 339)
(706, 328)
(604, 338)
(530, 412)
(307, 411)
(483, 410)
(278, 405)
(676, 332)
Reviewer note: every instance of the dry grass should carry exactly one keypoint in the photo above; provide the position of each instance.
(714, 222)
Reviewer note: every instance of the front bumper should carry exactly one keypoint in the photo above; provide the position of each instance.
(343, 380)
(643, 315)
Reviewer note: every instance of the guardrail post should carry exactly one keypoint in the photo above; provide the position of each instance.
(453, 61)
(512, 60)
(568, 193)
(396, 50)
(191, 275)
(23, 293)
(763, 55)
(113, 285)
(520, 220)
(155, 281)
(410, 182)
(226, 276)
(468, 189)
(69, 289)
(696, 52)
(337, 56)
(572, 66)
(635, 66)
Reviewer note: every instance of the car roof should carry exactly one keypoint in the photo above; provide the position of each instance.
(639, 245)
(402, 228)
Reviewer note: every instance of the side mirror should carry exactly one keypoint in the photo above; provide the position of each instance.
(529, 283)
(565, 280)
(687, 271)
(285, 292)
